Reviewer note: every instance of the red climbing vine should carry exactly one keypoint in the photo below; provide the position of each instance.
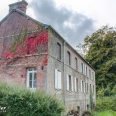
(29, 45)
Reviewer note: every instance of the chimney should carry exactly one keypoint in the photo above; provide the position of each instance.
(21, 5)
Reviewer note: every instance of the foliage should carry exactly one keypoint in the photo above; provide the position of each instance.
(28, 45)
(87, 113)
(72, 112)
(106, 103)
(91, 100)
(21, 102)
(102, 55)
(113, 91)
(104, 113)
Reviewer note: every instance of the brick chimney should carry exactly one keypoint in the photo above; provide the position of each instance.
(21, 5)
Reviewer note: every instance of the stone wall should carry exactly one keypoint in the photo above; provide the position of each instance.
(73, 100)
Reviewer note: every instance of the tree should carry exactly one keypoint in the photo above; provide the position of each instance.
(102, 55)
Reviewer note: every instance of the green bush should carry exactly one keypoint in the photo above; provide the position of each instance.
(21, 102)
(106, 103)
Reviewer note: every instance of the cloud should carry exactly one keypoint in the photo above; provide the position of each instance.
(72, 26)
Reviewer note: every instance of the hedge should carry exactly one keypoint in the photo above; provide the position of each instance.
(18, 101)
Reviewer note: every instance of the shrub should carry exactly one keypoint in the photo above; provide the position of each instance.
(87, 113)
(21, 102)
(73, 113)
(106, 103)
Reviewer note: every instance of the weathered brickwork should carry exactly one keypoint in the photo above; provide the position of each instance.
(16, 71)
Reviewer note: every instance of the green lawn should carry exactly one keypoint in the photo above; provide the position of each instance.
(105, 113)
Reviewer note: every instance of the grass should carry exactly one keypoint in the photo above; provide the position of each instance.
(106, 106)
(104, 113)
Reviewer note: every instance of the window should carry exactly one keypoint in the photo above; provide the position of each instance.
(89, 73)
(92, 75)
(76, 64)
(78, 109)
(82, 67)
(76, 84)
(82, 86)
(93, 89)
(58, 51)
(69, 83)
(86, 70)
(58, 80)
(90, 89)
(87, 107)
(69, 57)
(87, 88)
(31, 78)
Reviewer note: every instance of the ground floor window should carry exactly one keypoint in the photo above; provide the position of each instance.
(69, 83)
(78, 109)
(31, 78)
(76, 84)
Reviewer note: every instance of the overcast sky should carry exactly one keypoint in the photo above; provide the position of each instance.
(72, 19)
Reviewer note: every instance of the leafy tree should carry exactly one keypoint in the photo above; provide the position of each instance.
(102, 55)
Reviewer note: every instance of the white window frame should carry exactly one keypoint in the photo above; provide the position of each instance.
(32, 71)
(58, 79)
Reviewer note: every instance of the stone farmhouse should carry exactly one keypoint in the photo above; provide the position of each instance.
(34, 55)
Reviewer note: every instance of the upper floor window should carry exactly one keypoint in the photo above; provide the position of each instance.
(58, 79)
(76, 64)
(92, 75)
(31, 78)
(69, 57)
(86, 70)
(58, 51)
(89, 73)
(82, 68)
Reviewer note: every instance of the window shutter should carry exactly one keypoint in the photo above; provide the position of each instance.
(75, 85)
(27, 78)
(72, 83)
(59, 80)
(56, 77)
(81, 86)
(67, 82)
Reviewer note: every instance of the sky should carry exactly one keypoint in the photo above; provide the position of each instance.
(72, 19)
